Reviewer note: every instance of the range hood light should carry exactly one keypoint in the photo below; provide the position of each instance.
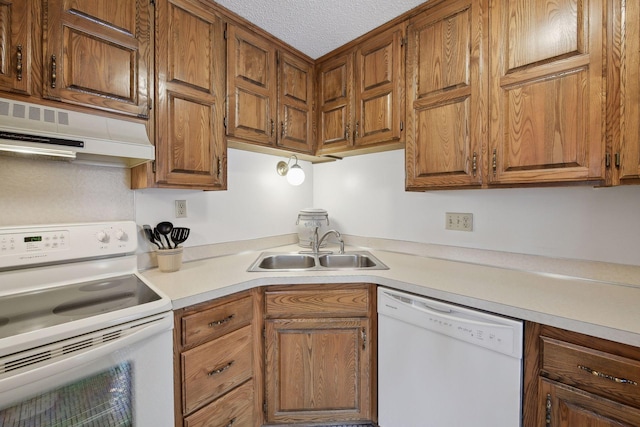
(38, 151)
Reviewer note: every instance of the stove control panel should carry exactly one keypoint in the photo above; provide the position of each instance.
(21, 246)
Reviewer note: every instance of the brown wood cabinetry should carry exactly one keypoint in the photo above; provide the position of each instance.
(216, 363)
(270, 93)
(319, 347)
(446, 96)
(16, 51)
(190, 145)
(98, 54)
(361, 96)
(576, 380)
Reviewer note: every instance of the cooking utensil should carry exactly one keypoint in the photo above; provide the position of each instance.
(148, 232)
(156, 234)
(165, 228)
(179, 235)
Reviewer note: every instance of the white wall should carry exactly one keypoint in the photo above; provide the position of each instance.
(365, 196)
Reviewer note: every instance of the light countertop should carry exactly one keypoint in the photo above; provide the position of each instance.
(605, 310)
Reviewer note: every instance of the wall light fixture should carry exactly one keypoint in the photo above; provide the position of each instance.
(294, 174)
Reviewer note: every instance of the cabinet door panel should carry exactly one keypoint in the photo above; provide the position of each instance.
(15, 46)
(446, 97)
(295, 103)
(566, 406)
(97, 54)
(317, 370)
(547, 106)
(630, 82)
(251, 84)
(379, 77)
(190, 145)
(335, 89)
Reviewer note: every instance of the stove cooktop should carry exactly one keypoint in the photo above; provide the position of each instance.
(30, 311)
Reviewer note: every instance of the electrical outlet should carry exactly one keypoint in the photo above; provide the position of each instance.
(459, 221)
(181, 208)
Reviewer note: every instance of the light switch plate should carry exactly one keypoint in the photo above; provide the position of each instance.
(459, 221)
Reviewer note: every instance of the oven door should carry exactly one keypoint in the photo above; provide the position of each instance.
(118, 376)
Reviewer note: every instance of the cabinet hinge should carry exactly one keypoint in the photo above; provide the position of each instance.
(224, 122)
(152, 2)
(264, 333)
(224, 33)
(153, 166)
(264, 407)
(403, 41)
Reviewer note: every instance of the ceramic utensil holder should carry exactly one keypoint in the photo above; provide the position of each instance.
(169, 260)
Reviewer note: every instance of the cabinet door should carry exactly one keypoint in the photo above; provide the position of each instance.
(317, 370)
(16, 48)
(546, 91)
(564, 406)
(251, 86)
(190, 144)
(97, 53)
(627, 159)
(446, 96)
(295, 103)
(379, 94)
(335, 104)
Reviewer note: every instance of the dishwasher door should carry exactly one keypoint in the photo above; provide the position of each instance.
(440, 365)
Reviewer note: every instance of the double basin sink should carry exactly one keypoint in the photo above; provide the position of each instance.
(352, 260)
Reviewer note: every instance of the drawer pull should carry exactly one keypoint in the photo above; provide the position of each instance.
(607, 376)
(221, 369)
(221, 321)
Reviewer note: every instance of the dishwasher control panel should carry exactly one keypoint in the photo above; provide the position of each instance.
(486, 330)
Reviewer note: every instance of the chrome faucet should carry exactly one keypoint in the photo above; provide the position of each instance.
(317, 242)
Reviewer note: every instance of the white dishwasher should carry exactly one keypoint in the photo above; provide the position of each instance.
(441, 365)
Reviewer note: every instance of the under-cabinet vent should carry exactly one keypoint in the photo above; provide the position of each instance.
(27, 360)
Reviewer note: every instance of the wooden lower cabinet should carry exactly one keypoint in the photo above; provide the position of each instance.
(217, 363)
(574, 380)
(319, 348)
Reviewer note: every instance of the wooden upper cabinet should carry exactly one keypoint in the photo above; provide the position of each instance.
(190, 144)
(361, 95)
(626, 84)
(251, 86)
(446, 99)
(16, 50)
(335, 103)
(546, 91)
(295, 103)
(97, 53)
(380, 89)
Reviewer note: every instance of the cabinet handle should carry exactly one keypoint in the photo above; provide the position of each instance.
(19, 63)
(474, 163)
(494, 163)
(54, 76)
(617, 159)
(547, 411)
(221, 369)
(607, 376)
(364, 339)
(221, 321)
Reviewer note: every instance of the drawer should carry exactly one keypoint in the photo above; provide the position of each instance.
(217, 321)
(317, 303)
(233, 409)
(602, 373)
(214, 368)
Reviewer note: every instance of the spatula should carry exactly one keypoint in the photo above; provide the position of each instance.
(179, 235)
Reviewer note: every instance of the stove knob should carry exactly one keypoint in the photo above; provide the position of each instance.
(121, 235)
(102, 236)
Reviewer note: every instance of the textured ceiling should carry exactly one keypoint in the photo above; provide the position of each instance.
(316, 27)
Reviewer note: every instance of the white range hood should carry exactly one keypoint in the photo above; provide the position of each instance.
(36, 130)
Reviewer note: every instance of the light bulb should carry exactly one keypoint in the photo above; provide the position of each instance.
(295, 176)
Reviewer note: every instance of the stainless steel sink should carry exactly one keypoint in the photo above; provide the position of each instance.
(279, 261)
(287, 262)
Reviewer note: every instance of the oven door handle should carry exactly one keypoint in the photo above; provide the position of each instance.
(142, 332)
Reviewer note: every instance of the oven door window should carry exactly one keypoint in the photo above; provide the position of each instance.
(103, 399)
